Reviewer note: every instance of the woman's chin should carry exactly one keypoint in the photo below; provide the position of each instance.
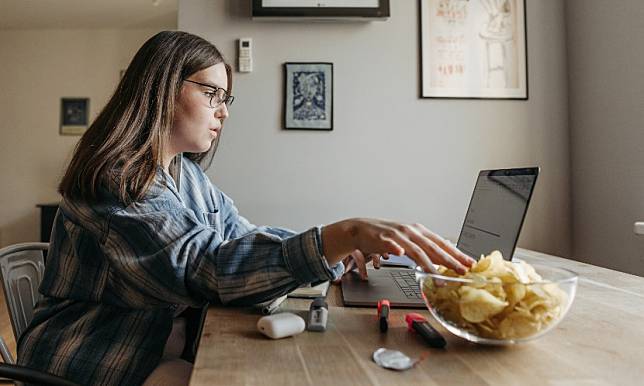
(202, 148)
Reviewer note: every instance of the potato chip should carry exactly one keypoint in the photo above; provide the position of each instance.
(504, 300)
(477, 305)
(515, 292)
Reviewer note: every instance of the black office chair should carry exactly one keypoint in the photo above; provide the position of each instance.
(21, 269)
(25, 374)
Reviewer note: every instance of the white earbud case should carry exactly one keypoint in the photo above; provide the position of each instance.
(281, 325)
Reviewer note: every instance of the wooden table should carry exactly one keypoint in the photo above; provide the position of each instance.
(601, 342)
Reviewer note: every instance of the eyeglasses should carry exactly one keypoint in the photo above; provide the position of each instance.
(217, 97)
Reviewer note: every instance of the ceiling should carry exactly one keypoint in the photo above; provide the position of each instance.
(87, 14)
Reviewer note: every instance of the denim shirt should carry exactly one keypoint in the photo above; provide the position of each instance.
(116, 275)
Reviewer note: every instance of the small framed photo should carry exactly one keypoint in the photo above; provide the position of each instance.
(74, 115)
(473, 49)
(308, 96)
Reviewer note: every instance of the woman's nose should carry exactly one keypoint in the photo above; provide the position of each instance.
(221, 112)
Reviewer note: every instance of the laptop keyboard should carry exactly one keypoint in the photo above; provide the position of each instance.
(407, 282)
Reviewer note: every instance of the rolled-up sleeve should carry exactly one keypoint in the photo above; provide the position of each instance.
(167, 256)
(314, 265)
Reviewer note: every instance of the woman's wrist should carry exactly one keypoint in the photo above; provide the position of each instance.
(338, 240)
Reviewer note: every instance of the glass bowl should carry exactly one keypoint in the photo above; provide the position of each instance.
(499, 312)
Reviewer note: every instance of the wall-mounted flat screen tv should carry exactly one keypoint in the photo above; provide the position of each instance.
(320, 9)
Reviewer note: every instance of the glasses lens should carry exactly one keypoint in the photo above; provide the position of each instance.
(221, 96)
(218, 97)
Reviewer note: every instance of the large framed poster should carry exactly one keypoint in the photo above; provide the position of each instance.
(473, 49)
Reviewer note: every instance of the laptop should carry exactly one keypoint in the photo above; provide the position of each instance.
(493, 221)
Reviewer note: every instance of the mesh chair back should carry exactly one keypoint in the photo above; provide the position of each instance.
(21, 270)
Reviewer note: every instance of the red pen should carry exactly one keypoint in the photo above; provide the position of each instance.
(418, 323)
(383, 314)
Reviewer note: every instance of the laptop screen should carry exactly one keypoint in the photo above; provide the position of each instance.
(496, 212)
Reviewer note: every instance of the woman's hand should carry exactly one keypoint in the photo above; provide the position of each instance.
(359, 260)
(375, 238)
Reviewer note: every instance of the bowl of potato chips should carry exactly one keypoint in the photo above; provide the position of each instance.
(499, 302)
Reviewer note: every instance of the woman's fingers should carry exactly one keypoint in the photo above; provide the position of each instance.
(437, 254)
(416, 253)
(360, 262)
(447, 246)
(348, 263)
(349, 266)
(417, 237)
(375, 259)
(378, 239)
(458, 254)
(391, 246)
(447, 259)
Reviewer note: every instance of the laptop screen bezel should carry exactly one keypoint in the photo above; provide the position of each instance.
(527, 171)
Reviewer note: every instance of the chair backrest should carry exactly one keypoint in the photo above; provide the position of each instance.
(21, 270)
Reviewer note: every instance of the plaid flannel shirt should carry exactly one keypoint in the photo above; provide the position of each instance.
(115, 275)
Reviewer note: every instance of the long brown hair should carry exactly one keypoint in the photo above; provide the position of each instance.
(123, 147)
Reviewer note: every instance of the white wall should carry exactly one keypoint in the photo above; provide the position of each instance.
(606, 67)
(37, 68)
(390, 154)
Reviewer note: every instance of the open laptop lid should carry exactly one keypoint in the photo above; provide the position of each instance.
(496, 212)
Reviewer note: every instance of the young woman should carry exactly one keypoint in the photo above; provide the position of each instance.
(142, 237)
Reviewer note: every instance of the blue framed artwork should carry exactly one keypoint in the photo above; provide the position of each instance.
(74, 115)
(308, 99)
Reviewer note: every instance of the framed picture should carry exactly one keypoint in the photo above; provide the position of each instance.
(74, 115)
(308, 96)
(473, 49)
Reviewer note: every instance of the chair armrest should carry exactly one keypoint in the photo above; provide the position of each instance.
(25, 374)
